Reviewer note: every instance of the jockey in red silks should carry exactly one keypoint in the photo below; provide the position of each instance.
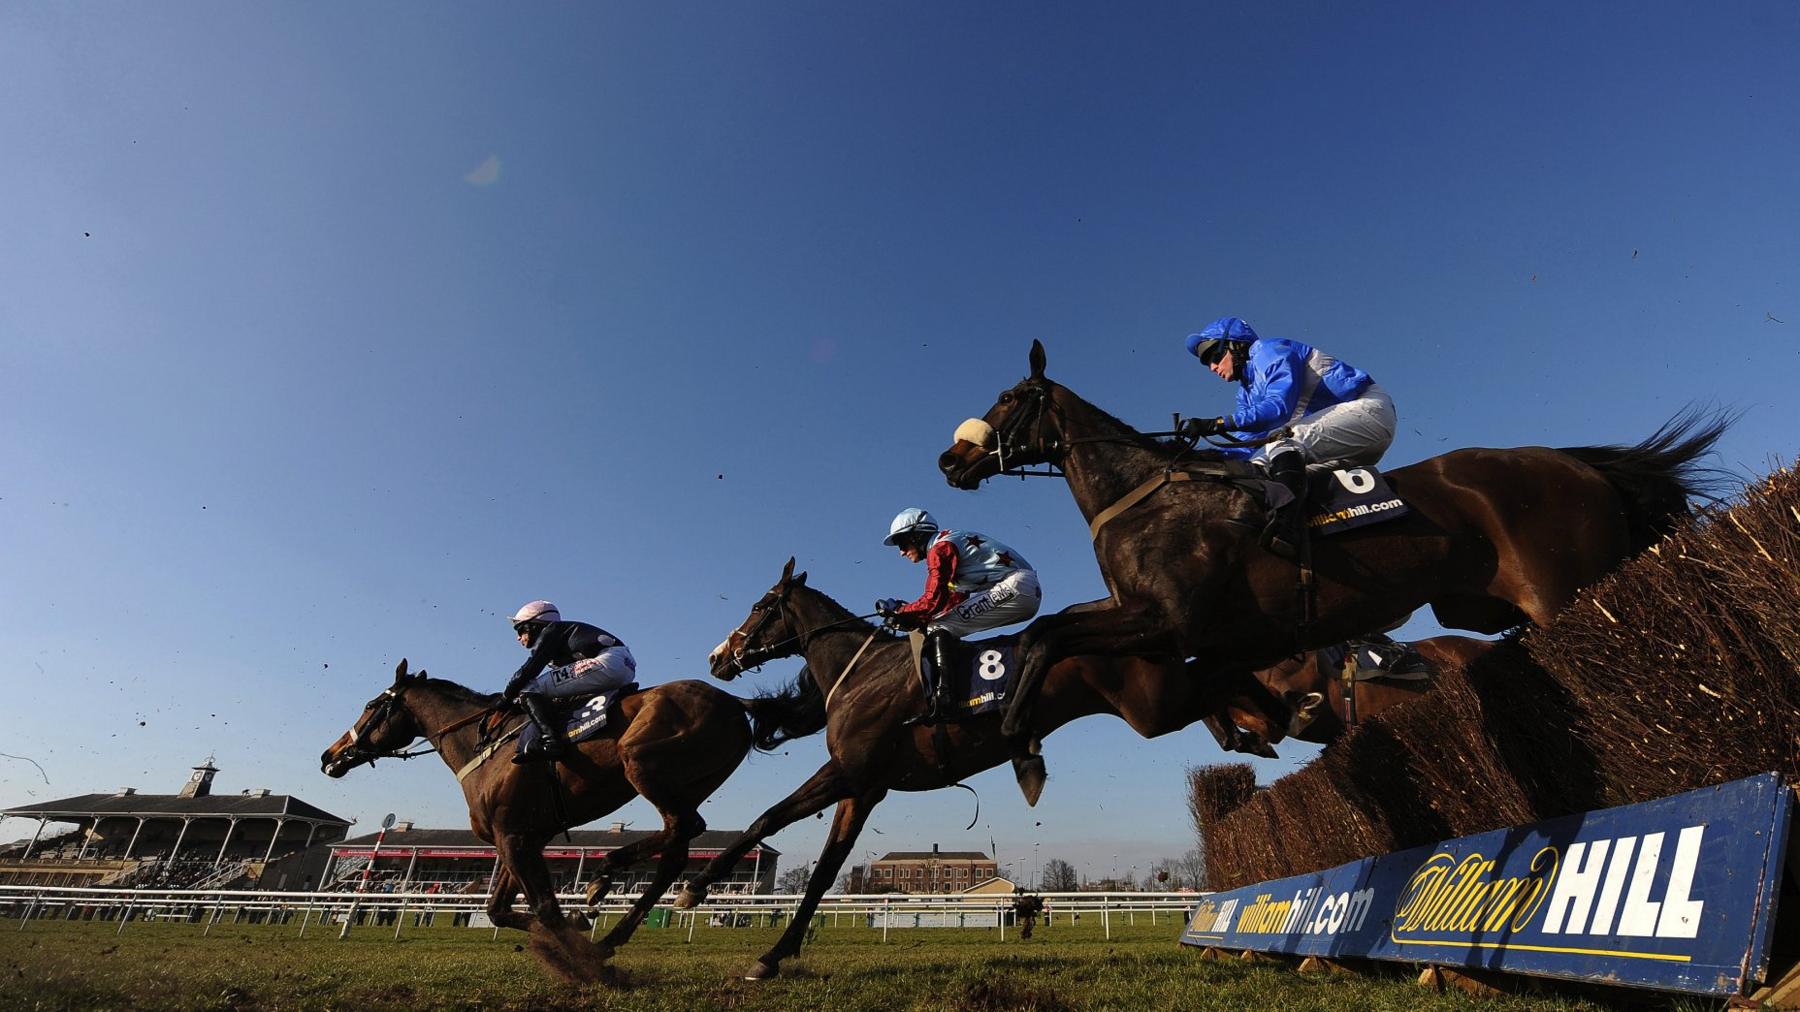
(973, 583)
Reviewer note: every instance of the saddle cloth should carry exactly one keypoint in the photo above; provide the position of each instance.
(1342, 496)
(981, 674)
(1371, 659)
(581, 723)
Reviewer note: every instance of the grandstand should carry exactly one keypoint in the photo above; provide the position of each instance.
(191, 838)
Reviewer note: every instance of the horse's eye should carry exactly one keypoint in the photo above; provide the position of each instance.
(1006, 397)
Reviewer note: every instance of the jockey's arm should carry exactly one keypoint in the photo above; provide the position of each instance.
(940, 571)
(1274, 392)
(534, 665)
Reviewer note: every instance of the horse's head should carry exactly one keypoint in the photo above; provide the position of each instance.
(384, 729)
(1019, 430)
(766, 634)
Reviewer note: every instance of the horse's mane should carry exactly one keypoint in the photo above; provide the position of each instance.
(845, 615)
(459, 692)
(1170, 447)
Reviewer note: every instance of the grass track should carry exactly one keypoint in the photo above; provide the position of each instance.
(56, 965)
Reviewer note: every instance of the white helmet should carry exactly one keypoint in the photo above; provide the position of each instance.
(912, 520)
(537, 611)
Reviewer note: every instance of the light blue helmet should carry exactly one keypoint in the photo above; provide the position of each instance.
(1220, 331)
(911, 520)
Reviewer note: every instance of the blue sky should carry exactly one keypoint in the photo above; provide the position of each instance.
(330, 333)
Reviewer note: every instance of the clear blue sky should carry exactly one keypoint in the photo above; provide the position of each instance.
(329, 333)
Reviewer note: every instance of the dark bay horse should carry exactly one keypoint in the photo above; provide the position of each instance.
(672, 745)
(1494, 539)
(865, 688)
(1312, 686)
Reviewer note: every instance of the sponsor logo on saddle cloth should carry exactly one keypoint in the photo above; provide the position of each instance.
(1344, 498)
(583, 722)
(983, 675)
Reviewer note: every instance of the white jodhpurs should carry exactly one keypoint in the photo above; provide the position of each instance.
(1014, 599)
(1360, 430)
(588, 677)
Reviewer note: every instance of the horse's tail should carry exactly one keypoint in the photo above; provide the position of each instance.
(793, 711)
(1657, 477)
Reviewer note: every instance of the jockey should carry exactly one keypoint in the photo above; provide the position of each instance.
(569, 660)
(1317, 407)
(972, 583)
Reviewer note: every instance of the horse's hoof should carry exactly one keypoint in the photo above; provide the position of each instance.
(1031, 775)
(763, 971)
(688, 898)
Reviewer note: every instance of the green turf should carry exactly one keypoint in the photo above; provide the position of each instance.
(54, 964)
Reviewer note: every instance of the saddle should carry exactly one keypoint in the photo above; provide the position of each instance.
(1367, 660)
(583, 720)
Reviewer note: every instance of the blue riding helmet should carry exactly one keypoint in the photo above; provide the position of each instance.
(910, 521)
(1221, 330)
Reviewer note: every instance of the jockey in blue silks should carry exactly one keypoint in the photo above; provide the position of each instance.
(1318, 407)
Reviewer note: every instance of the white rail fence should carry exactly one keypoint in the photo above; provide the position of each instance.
(378, 910)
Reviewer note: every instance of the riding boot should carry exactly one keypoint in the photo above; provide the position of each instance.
(1285, 526)
(550, 743)
(943, 653)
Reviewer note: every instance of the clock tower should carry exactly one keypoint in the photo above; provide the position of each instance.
(199, 785)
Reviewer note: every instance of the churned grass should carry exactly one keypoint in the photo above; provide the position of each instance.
(63, 965)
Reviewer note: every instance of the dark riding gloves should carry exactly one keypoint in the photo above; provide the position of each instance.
(1199, 428)
(887, 606)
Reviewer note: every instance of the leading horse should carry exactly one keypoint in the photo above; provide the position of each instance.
(1494, 538)
(864, 689)
(672, 745)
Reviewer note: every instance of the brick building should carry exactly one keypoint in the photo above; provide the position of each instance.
(930, 871)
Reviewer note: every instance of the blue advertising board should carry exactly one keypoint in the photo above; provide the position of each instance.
(1677, 894)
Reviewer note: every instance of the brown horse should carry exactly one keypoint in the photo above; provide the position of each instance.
(1494, 539)
(864, 688)
(672, 745)
(1313, 688)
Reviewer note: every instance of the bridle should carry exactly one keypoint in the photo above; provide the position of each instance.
(378, 713)
(746, 659)
(1023, 433)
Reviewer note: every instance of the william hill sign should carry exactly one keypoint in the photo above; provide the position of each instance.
(1677, 894)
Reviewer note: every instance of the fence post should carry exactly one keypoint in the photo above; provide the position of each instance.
(399, 918)
(126, 916)
(29, 907)
(1106, 915)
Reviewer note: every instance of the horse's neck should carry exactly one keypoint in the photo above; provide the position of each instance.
(1105, 459)
(433, 710)
(832, 640)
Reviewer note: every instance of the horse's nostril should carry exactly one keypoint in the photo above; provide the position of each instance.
(946, 461)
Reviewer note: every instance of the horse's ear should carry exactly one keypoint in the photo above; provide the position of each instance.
(1037, 360)
(419, 676)
(787, 571)
(800, 579)
(400, 672)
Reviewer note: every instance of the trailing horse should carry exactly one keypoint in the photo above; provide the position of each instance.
(1323, 702)
(1494, 538)
(865, 689)
(672, 745)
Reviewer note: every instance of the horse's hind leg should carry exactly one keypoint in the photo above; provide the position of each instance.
(820, 790)
(678, 830)
(851, 814)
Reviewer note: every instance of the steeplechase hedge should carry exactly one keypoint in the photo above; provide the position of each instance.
(1680, 670)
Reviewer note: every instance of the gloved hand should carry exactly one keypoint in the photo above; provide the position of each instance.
(887, 606)
(510, 694)
(1198, 428)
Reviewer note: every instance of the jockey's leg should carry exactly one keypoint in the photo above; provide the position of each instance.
(549, 727)
(1282, 535)
(580, 680)
(1014, 599)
